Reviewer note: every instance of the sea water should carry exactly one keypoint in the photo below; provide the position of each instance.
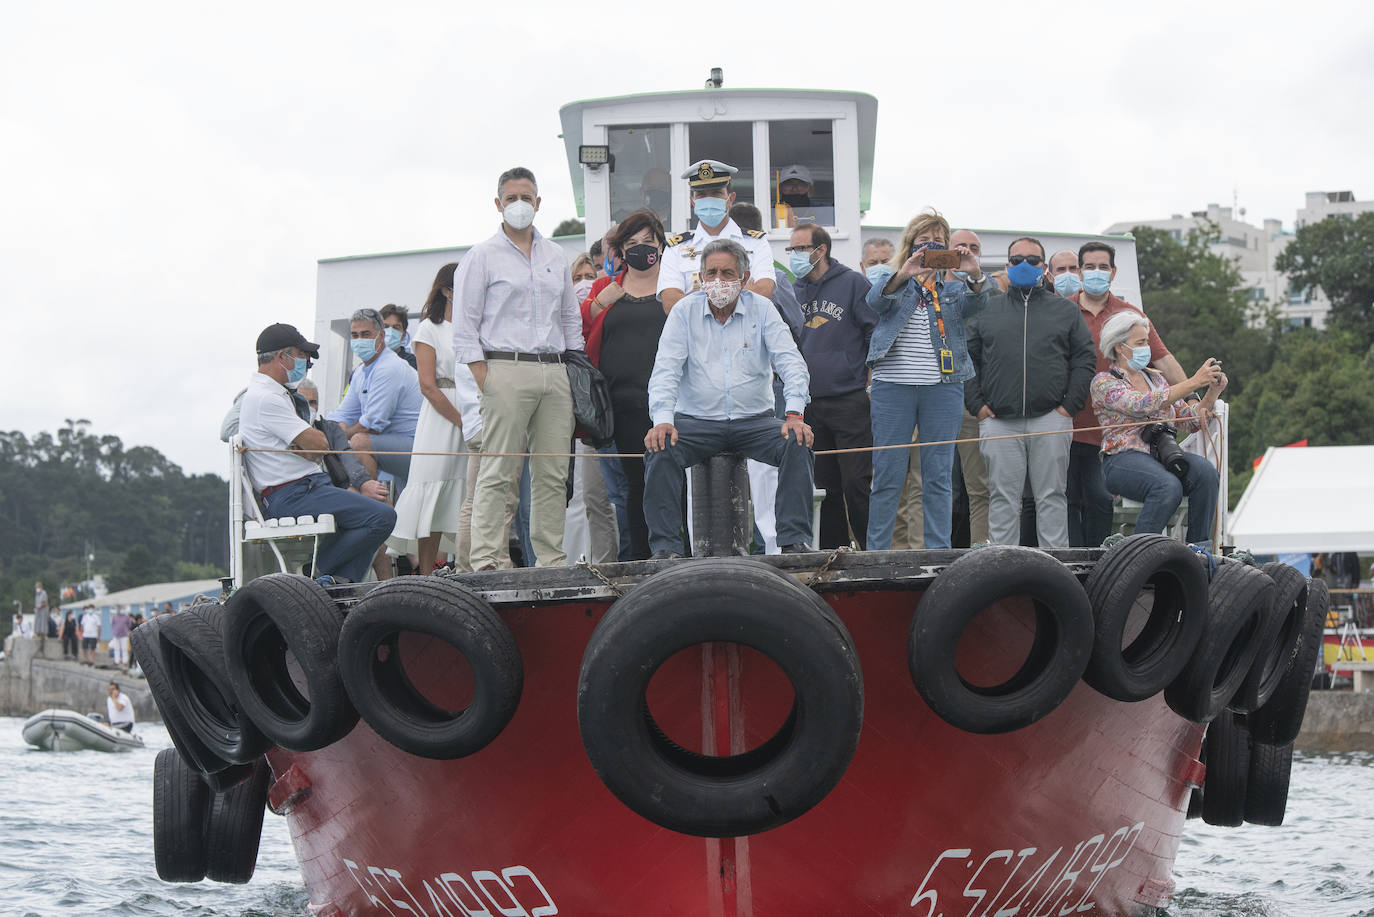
(76, 839)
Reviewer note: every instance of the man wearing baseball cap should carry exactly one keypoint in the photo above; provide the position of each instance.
(292, 483)
(794, 186)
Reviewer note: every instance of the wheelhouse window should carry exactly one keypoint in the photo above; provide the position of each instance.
(801, 176)
(730, 142)
(639, 171)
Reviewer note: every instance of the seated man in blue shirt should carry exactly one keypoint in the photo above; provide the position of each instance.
(382, 403)
(711, 391)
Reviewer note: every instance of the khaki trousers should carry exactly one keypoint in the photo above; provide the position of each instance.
(522, 402)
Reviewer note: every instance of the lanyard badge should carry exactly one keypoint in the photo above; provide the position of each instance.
(946, 355)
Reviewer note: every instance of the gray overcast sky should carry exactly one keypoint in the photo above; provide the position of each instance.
(172, 171)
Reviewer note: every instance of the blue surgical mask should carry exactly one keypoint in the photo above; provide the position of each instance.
(710, 210)
(393, 338)
(297, 372)
(608, 265)
(1097, 282)
(364, 348)
(1067, 284)
(1024, 275)
(1140, 356)
(800, 263)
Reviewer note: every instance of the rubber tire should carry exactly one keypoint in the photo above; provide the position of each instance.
(1179, 615)
(233, 827)
(384, 695)
(1238, 601)
(231, 776)
(262, 621)
(193, 654)
(1063, 638)
(147, 647)
(732, 600)
(1279, 721)
(1266, 790)
(1277, 648)
(180, 803)
(1228, 768)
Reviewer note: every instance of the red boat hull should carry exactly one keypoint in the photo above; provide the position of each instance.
(1080, 811)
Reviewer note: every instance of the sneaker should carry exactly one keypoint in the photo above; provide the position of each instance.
(800, 548)
(328, 580)
(665, 554)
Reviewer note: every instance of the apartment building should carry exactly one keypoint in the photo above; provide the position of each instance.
(1254, 249)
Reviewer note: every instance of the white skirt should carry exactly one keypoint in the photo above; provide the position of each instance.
(434, 490)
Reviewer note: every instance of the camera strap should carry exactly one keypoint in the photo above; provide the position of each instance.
(946, 361)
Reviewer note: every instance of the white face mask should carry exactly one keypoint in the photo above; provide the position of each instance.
(722, 292)
(582, 288)
(519, 214)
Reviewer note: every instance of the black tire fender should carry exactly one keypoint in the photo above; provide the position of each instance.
(731, 600)
(233, 826)
(264, 620)
(383, 694)
(1063, 638)
(1238, 601)
(180, 801)
(1280, 719)
(1228, 768)
(1160, 650)
(146, 642)
(1280, 640)
(1266, 788)
(193, 655)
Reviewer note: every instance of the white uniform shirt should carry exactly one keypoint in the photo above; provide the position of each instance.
(681, 266)
(268, 421)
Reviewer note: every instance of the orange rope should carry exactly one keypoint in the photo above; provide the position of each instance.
(640, 455)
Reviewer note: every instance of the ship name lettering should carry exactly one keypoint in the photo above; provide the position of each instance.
(515, 891)
(1087, 863)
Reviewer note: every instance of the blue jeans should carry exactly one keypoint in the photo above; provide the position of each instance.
(361, 524)
(398, 466)
(1137, 475)
(1090, 503)
(618, 492)
(899, 410)
(758, 438)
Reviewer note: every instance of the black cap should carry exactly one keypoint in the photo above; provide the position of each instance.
(280, 337)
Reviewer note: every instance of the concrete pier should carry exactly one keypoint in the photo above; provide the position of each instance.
(1338, 721)
(34, 678)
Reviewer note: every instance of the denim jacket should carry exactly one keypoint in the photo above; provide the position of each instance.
(894, 310)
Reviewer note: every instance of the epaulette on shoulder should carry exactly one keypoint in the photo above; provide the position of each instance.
(756, 233)
(674, 240)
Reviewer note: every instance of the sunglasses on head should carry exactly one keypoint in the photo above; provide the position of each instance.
(1032, 260)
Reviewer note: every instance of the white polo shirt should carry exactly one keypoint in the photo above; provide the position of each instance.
(268, 421)
(681, 267)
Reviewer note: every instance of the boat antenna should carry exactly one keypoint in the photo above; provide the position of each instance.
(716, 79)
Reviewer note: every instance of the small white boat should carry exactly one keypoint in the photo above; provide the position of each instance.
(67, 730)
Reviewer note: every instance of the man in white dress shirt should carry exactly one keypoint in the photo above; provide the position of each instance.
(514, 317)
(680, 274)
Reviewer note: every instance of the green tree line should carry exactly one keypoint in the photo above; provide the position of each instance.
(1286, 384)
(75, 494)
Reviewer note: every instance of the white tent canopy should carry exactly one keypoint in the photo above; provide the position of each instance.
(1308, 500)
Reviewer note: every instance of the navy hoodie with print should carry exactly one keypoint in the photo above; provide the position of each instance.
(837, 325)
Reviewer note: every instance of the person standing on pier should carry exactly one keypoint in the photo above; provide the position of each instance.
(120, 625)
(514, 317)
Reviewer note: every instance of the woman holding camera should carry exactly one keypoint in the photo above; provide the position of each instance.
(919, 359)
(1131, 392)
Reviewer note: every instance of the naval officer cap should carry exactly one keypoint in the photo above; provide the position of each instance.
(708, 173)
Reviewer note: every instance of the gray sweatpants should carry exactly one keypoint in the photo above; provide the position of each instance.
(1008, 459)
